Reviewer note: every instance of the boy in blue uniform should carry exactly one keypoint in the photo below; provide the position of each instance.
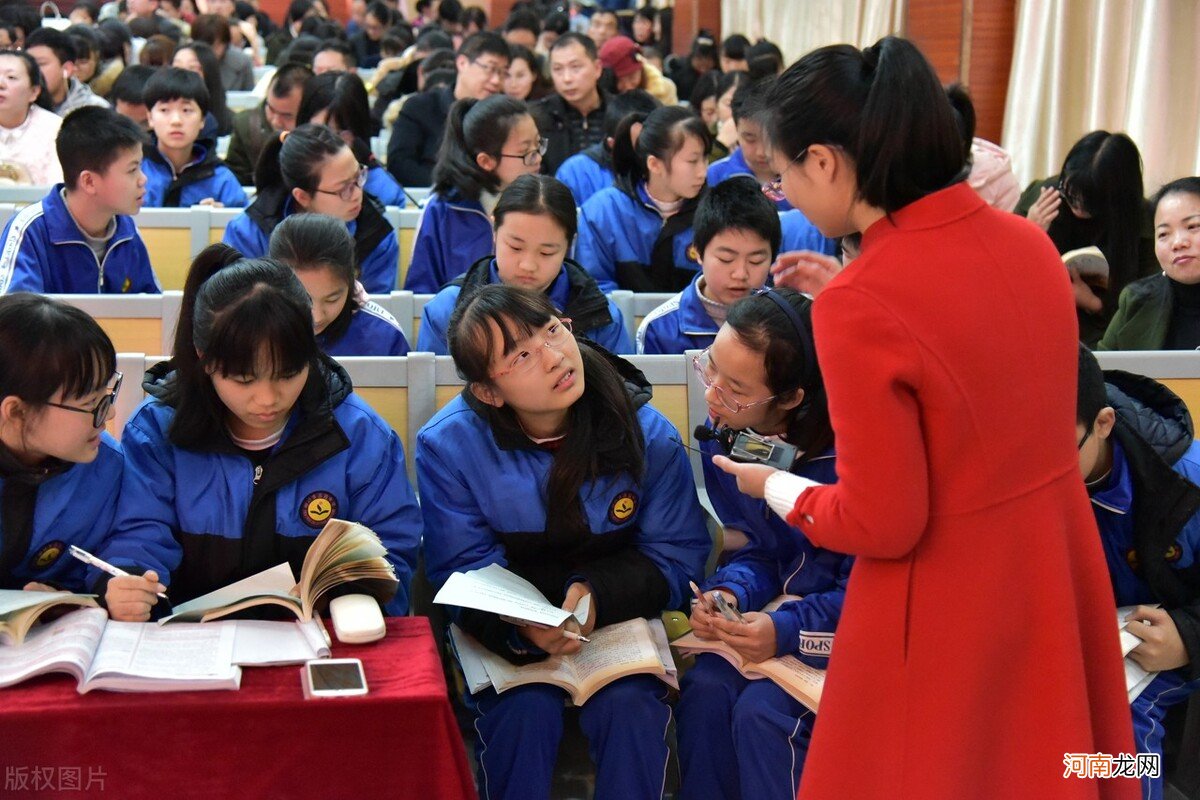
(1141, 464)
(80, 239)
(736, 234)
(180, 171)
(750, 157)
(590, 171)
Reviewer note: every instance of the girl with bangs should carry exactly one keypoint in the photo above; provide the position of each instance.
(551, 464)
(60, 472)
(250, 441)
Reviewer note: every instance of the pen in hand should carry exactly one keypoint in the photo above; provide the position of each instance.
(103, 566)
(577, 637)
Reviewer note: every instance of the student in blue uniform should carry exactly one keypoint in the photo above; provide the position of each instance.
(535, 226)
(320, 251)
(1141, 464)
(181, 171)
(736, 234)
(80, 238)
(637, 234)
(60, 472)
(313, 169)
(589, 171)
(751, 156)
(740, 738)
(339, 101)
(551, 464)
(488, 144)
(250, 441)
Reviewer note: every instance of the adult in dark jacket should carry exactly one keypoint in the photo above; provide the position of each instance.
(254, 127)
(572, 118)
(1162, 312)
(412, 151)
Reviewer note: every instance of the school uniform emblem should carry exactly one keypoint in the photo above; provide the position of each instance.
(48, 555)
(622, 508)
(1131, 558)
(1174, 553)
(317, 508)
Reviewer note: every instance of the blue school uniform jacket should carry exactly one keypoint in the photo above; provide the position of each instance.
(625, 244)
(574, 292)
(682, 323)
(483, 499)
(452, 235)
(371, 331)
(800, 234)
(382, 186)
(44, 251)
(207, 176)
(44, 511)
(205, 518)
(777, 560)
(375, 245)
(586, 173)
(735, 164)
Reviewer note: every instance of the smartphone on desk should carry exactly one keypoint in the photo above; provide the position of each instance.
(333, 677)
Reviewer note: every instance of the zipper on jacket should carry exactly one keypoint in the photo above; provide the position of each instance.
(258, 473)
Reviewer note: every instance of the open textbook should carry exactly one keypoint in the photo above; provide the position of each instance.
(142, 657)
(341, 553)
(1091, 264)
(1136, 678)
(20, 609)
(494, 588)
(632, 647)
(798, 679)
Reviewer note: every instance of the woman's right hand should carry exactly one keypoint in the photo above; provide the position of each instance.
(1043, 212)
(805, 271)
(129, 598)
(551, 639)
(703, 615)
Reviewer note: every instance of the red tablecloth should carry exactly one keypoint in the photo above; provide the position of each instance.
(264, 741)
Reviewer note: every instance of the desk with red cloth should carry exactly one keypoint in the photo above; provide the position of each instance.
(265, 741)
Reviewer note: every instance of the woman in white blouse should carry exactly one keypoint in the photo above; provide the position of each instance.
(27, 129)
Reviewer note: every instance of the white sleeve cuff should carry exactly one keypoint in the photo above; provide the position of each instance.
(783, 489)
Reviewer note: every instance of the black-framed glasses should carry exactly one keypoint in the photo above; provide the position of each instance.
(533, 157)
(773, 188)
(1072, 196)
(702, 364)
(1086, 435)
(347, 192)
(492, 70)
(100, 412)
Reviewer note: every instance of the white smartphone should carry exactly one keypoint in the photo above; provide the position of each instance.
(333, 677)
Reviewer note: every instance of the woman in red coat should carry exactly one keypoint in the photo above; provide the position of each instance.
(978, 643)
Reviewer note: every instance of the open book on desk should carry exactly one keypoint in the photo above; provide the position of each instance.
(343, 552)
(20, 609)
(633, 647)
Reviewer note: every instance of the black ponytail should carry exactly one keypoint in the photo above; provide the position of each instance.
(293, 160)
(664, 131)
(234, 311)
(603, 433)
(474, 127)
(790, 360)
(883, 106)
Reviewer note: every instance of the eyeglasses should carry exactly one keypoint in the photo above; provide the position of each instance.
(773, 188)
(1086, 434)
(100, 412)
(347, 191)
(704, 371)
(1073, 197)
(554, 337)
(533, 157)
(492, 71)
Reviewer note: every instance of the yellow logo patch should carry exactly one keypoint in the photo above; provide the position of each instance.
(317, 508)
(48, 555)
(622, 508)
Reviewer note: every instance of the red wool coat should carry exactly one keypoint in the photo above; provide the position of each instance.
(978, 642)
